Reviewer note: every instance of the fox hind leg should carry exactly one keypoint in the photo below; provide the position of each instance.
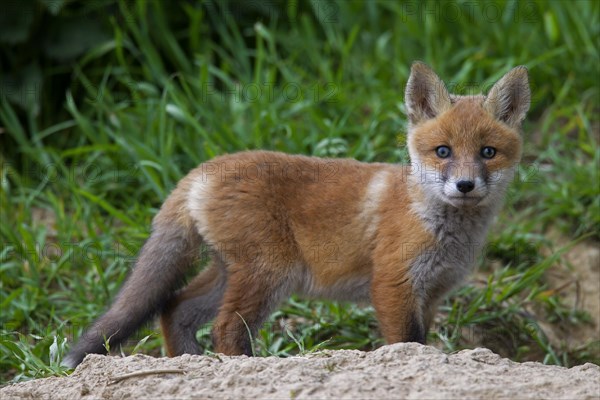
(249, 299)
(194, 306)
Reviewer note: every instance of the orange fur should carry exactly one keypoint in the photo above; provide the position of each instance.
(277, 224)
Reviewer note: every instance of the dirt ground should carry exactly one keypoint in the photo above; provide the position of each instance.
(404, 370)
(577, 279)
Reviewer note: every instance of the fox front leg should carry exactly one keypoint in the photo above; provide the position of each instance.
(397, 310)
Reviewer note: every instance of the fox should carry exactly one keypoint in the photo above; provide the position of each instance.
(399, 236)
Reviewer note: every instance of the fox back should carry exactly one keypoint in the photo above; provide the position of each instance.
(399, 236)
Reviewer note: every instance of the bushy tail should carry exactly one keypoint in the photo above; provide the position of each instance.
(160, 268)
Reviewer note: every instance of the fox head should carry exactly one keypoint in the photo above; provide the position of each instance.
(464, 149)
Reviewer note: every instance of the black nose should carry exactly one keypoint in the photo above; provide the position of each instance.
(465, 186)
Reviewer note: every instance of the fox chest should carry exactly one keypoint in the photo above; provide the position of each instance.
(459, 241)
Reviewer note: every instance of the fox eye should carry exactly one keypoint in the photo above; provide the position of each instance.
(442, 151)
(488, 152)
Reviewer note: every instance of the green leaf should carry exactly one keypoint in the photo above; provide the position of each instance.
(551, 26)
(106, 206)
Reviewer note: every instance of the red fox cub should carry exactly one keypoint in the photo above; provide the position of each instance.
(398, 235)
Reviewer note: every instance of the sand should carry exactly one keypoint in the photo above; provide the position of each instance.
(404, 370)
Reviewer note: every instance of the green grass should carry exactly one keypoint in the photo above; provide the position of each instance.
(169, 87)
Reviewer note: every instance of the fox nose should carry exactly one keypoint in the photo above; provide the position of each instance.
(465, 186)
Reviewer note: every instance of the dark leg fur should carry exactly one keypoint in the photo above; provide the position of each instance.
(416, 330)
(193, 307)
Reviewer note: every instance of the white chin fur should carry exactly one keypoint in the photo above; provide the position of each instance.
(464, 202)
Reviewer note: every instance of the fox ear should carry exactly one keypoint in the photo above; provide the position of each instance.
(509, 98)
(426, 95)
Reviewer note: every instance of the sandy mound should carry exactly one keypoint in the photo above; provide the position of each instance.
(404, 370)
